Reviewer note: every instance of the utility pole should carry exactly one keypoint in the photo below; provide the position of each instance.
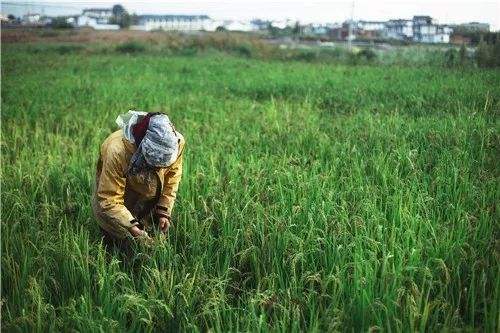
(349, 36)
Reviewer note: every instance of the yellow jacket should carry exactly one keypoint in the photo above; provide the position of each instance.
(112, 184)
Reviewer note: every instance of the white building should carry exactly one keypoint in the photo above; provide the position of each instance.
(427, 30)
(31, 18)
(91, 22)
(370, 25)
(174, 23)
(399, 29)
(246, 26)
(96, 18)
(422, 29)
(100, 15)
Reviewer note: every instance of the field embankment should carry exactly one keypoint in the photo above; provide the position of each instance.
(245, 45)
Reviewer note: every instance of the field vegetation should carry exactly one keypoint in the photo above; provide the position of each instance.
(254, 46)
(316, 196)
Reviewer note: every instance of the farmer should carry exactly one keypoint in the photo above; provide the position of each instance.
(138, 174)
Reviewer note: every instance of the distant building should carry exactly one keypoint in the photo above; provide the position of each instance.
(474, 27)
(174, 23)
(426, 30)
(100, 15)
(422, 29)
(31, 19)
(340, 32)
(96, 18)
(245, 26)
(86, 21)
(399, 29)
(369, 29)
(315, 29)
(371, 25)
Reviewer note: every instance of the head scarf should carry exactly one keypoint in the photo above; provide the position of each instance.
(155, 137)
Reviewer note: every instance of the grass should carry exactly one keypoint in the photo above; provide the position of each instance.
(167, 44)
(314, 198)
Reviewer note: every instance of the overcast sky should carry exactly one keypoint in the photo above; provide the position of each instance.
(446, 11)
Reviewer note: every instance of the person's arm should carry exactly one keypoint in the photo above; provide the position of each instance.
(170, 187)
(111, 190)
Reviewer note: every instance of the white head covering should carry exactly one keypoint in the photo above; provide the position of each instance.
(160, 145)
(127, 120)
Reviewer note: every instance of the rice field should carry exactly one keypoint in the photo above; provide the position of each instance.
(315, 197)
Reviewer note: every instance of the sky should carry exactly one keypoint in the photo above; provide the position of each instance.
(320, 11)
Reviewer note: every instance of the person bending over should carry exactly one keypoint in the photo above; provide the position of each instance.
(138, 174)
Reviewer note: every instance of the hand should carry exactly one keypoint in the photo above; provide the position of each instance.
(164, 223)
(136, 232)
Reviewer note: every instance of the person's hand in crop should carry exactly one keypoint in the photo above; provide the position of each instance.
(136, 232)
(164, 223)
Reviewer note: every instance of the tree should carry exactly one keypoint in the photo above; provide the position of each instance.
(60, 22)
(496, 51)
(120, 17)
(125, 21)
(450, 57)
(11, 17)
(462, 55)
(296, 30)
(273, 31)
(118, 10)
(483, 54)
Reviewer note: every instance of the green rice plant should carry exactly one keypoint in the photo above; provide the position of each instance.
(315, 196)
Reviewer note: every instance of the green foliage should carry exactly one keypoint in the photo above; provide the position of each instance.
(361, 57)
(131, 47)
(495, 53)
(118, 10)
(55, 48)
(484, 55)
(367, 54)
(125, 21)
(451, 57)
(305, 55)
(244, 50)
(476, 36)
(68, 48)
(315, 197)
(60, 22)
(121, 17)
(462, 55)
(247, 46)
